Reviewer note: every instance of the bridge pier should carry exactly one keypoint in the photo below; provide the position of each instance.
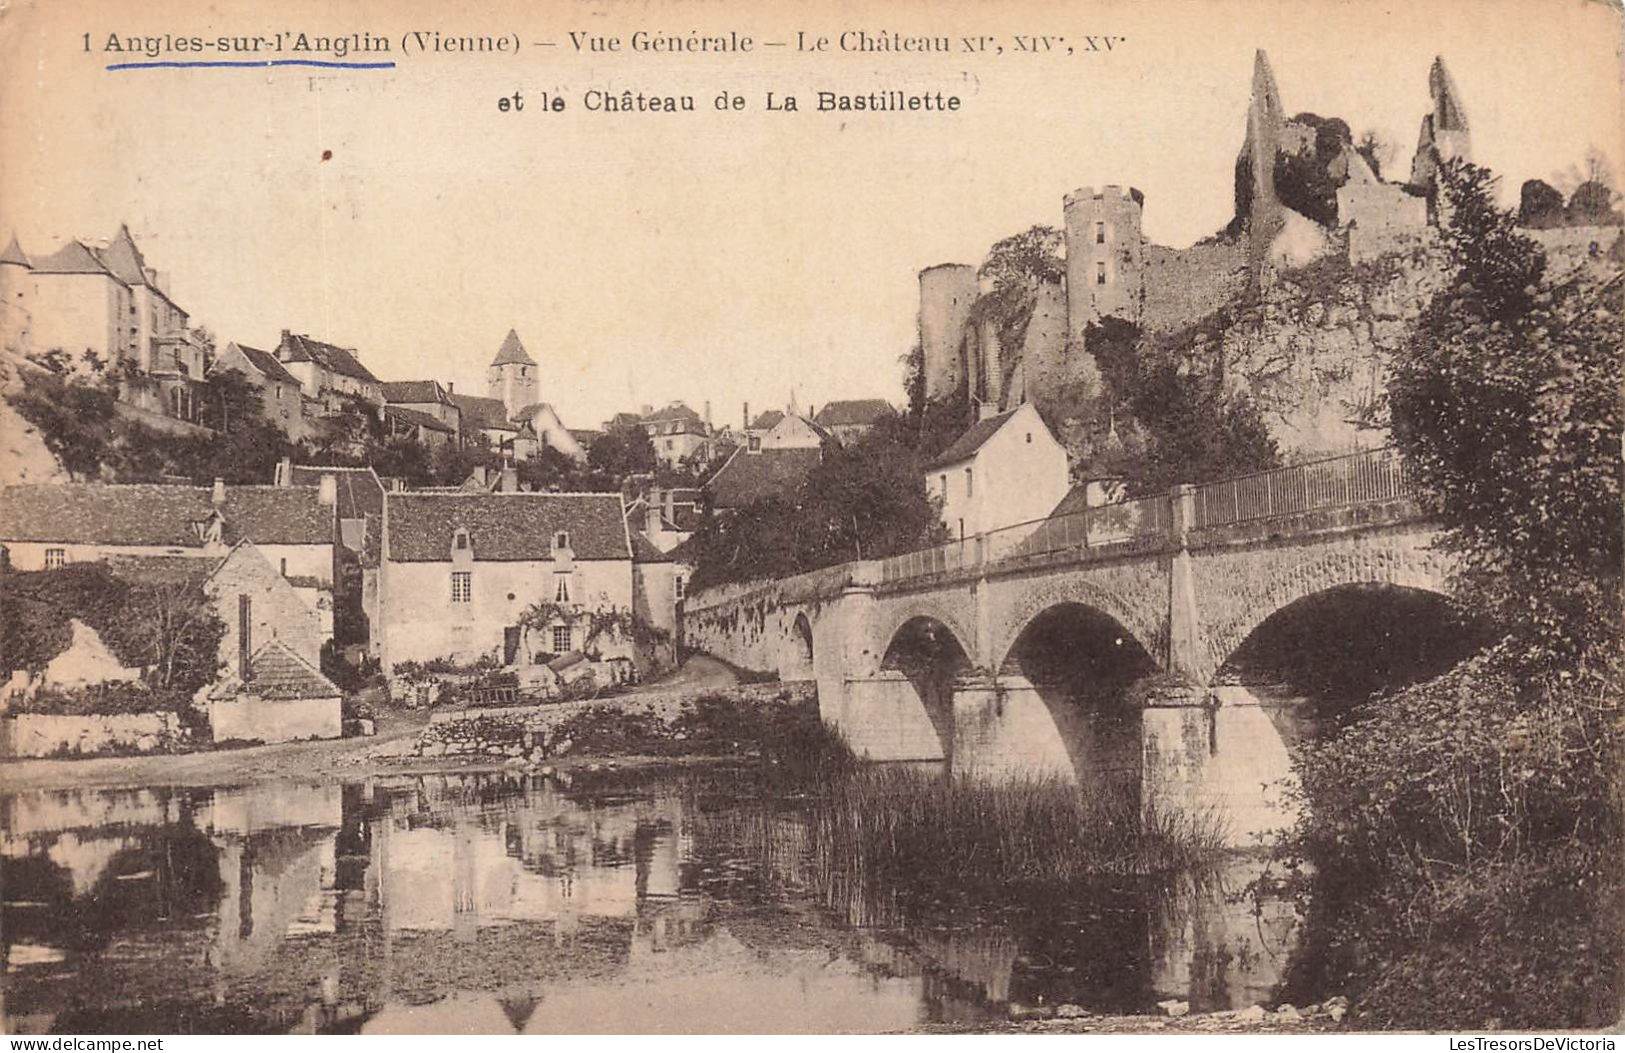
(1218, 755)
(1003, 729)
(887, 717)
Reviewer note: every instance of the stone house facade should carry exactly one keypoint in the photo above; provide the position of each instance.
(1003, 470)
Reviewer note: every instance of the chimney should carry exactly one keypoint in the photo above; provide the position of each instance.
(984, 410)
(510, 479)
(747, 416)
(284, 472)
(651, 520)
(245, 637)
(647, 409)
(219, 495)
(707, 414)
(451, 388)
(327, 492)
(285, 335)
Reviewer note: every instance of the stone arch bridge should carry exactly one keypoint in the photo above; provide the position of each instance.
(1182, 580)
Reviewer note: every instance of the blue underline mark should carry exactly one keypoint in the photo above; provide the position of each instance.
(251, 65)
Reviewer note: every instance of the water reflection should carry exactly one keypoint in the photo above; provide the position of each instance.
(512, 904)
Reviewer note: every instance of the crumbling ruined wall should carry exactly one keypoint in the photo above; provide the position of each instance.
(1182, 285)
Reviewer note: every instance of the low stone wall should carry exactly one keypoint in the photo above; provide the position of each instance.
(276, 721)
(46, 735)
(537, 732)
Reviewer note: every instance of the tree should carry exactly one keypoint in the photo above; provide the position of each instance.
(622, 451)
(1540, 205)
(866, 501)
(1189, 429)
(1505, 404)
(75, 420)
(1017, 266)
(1374, 150)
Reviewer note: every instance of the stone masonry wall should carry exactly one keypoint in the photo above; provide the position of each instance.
(535, 733)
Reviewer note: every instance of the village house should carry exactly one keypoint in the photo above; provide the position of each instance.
(422, 428)
(749, 476)
(282, 399)
(791, 432)
(425, 396)
(1005, 469)
(327, 370)
(104, 301)
(274, 695)
(850, 419)
(152, 532)
(679, 434)
(460, 570)
(667, 516)
(357, 496)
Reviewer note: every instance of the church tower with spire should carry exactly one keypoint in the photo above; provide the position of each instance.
(512, 376)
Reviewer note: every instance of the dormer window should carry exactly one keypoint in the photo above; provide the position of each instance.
(561, 540)
(459, 541)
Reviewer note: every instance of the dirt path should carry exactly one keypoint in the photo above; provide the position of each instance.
(355, 758)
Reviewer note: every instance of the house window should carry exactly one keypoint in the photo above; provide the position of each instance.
(755, 443)
(459, 541)
(561, 591)
(679, 584)
(970, 483)
(1029, 438)
(55, 557)
(942, 484)
(1100, 233)
(1100, 274)
(561, 639)
(462, 586)
(561, 540)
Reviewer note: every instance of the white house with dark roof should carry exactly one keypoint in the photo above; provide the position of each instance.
(282, 398)
(1003, 470)
(459, 570)
(324, 369)
(679, 434)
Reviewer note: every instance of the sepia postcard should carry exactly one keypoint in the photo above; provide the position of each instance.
(714, 518)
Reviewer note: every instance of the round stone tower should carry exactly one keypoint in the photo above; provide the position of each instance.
(947, 292)
(15, 274)
(1105, 257)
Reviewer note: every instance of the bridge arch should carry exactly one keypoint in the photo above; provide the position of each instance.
(1235, 608)
(919, 608)
(1144, 628)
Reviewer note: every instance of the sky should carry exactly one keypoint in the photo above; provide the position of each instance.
(728, 258)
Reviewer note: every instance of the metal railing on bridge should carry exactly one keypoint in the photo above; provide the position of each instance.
(1364, 477)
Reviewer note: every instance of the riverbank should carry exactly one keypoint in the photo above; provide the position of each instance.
(1073, 1020)
(393, 750)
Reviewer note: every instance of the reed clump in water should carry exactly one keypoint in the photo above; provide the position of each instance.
(966, 831)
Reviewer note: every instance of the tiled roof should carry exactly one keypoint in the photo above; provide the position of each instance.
(644, 551)
(675, 411)
(266, 363)
(72, 258)
(124, 260)
(1076, 500)
(965, 447)
(512, 352)
(418, 419)
(751, 477)
(296, 347)
(584, 436)
(504, 526)
(162, 570)
(852, 411)
(278, 675)
(160, 516)
(767, 420)
(359, 490)
(414, 391)
(481, 412)
(14, 253)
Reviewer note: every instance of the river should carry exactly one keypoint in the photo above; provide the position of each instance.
(675, 901)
